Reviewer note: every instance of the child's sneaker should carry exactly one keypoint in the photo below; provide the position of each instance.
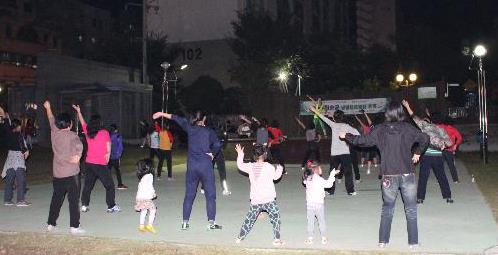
(226, 193)
(278, 242)
(309, 241)
(324, 240)
(185, 226)
(150, 228)
(213, 226)
(8, 203)
(77, 231)
(238, 240)
(23, 204)
(85, 208)
(51, 228)
(114, 209)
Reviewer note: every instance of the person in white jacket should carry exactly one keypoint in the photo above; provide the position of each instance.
(145, 195)
(315, 194)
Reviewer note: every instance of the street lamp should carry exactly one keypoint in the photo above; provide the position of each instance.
(283, 77)
(402, 82)
(479, 52)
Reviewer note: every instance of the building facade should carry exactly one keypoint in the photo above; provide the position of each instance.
(201, 28)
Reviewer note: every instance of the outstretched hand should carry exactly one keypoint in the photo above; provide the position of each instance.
(335, 172)
(157, 115)
(46, 104)
(405, 103)
(239, 149)
(75, 107)
(415, 158)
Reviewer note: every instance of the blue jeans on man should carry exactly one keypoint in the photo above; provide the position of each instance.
(407, 185)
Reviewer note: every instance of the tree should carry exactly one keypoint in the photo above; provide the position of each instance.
(205, 94)
(261, 43)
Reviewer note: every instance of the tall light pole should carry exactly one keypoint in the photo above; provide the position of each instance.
(145, 79)
(479, 52)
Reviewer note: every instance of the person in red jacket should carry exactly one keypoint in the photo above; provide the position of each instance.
(274, 142)
(449, 152)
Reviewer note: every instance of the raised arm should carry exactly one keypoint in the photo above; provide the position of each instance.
(50, 115)
(278, 172)
(359, 120)
(330, 181)
(325, 119)
(300, 122)
(182, 122)
(80, 116)
(246, 120)
(367, 140)
(244, 167)
(369, 121)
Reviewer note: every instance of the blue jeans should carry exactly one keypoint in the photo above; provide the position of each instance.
(18, 176)
(390, 186)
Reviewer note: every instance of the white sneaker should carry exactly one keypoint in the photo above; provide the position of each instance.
(77, 231)
(171, 179)
(85, 208)
(357, 181)
(202, 191)
(353, 193)
(368, 171)
(51, 228)
(114, 209)
(226, 193)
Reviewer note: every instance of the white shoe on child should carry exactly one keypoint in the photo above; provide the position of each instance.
(77, 231)
(309, 241)
(324, 240)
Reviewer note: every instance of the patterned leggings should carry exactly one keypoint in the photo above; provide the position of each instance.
(251, 217)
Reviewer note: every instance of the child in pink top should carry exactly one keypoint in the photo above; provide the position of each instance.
(315, 194)
(263, 195)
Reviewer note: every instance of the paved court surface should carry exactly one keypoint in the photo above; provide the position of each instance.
(467, 226)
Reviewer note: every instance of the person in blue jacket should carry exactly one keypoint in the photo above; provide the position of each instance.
(116, 153)
(203, 144)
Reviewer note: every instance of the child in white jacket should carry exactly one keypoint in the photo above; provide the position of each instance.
(145, 195)
(315, 195)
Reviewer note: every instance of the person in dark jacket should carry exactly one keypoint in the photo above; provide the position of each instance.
(14, 169)
(116, 153)
(203, 144)
(395, 139)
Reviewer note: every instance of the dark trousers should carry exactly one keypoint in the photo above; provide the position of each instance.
(163, 154)
(101, 172)
(62, 186)
(354, 162)
(219, 160)
(19, 177)
(437, 165)
(313, 148)
(449, 157)
(276, 155)
(116, 164)
(345, 161)
(153, 153)
(199, 169)
(390, 186)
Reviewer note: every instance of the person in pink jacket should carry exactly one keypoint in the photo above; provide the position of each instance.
(262, 195)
